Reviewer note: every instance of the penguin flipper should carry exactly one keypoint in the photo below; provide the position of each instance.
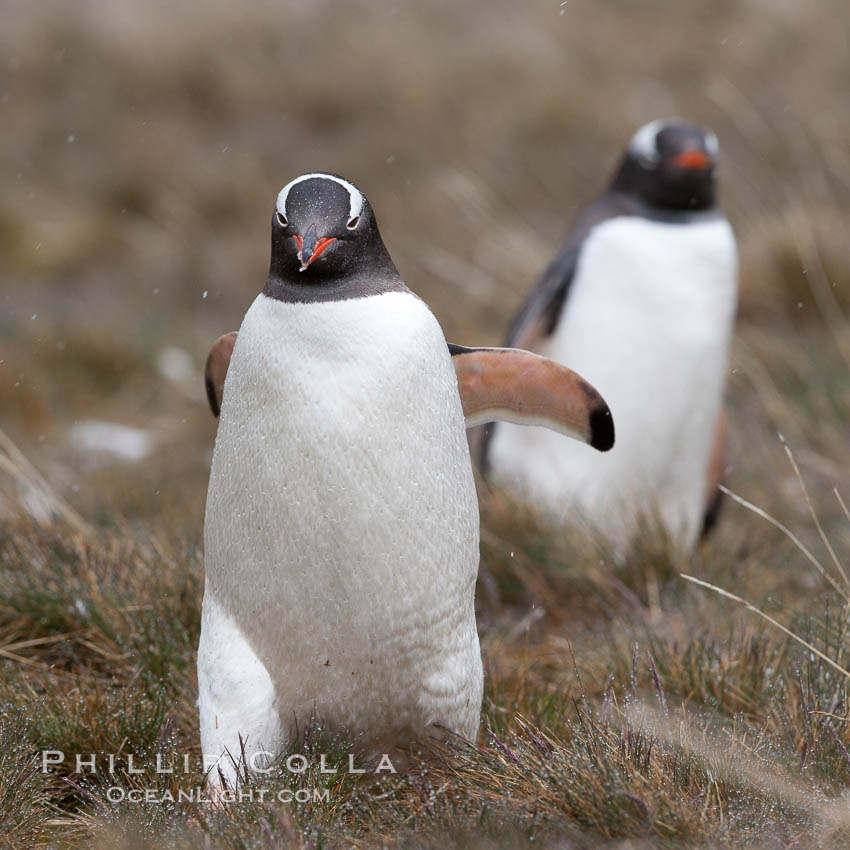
(539, 313)
(513, 385)
(218, 361)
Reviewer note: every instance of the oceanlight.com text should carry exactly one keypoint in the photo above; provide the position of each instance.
(117, 794)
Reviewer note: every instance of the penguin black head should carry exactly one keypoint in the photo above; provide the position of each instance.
(670, 164)
(323, 229)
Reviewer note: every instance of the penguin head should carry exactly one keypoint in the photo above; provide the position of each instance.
(323, 228)
(670, 164)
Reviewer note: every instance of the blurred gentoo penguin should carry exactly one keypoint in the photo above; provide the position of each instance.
(641, 300)
(341, 534)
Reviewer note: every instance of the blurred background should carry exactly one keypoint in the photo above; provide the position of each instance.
(144, 145)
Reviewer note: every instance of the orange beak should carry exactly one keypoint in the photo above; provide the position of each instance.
(691, 159)
(318, 247)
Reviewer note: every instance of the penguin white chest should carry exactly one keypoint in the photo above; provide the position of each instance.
(648, 320)
(341, 531)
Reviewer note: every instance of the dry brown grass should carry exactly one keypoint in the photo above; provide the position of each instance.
(620, 705)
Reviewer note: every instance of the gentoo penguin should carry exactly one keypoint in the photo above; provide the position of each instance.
(641, 300)
(341, 532)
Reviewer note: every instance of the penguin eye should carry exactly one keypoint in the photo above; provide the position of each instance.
(282, 219)
(353, 223)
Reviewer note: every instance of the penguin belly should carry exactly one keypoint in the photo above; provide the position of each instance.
(648, 321)
(341, 533)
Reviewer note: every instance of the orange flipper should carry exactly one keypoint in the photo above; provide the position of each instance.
(517, 386)
(218, 361)
(506, 384)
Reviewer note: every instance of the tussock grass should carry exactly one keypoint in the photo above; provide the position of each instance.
(25, 793)
(728, 736)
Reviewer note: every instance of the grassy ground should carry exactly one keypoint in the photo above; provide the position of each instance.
(624, 706)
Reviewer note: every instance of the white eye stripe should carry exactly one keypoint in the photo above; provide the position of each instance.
(643, 141)
(354, 195)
